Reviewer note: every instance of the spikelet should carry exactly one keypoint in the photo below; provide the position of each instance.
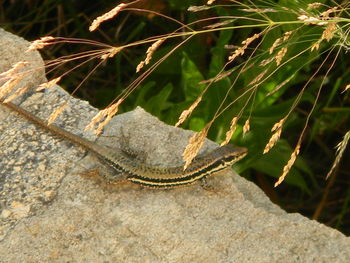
(17, 93)
(277, 129)
(286, 35)
(41, 43)
(280, 85)
(340, 152)
(231, 131)
(8, 86)
(149, 54)
(194, 145)
(346, 88)
(328, 33)
(325, 14)
(111, 111)
(109, 15)
(278, 125)
(184, 115)
(258, 78)
(13, 70)
(279, 40)
(311, 20)
(103, 117)
(48, 84)
(280, 55)
(97, 118)
(198, 8)
(314, 5)
(259, 10)
(289, 165)
(240, 51)
(219, 24)
(266, 61)
(275, 44)
(111, 52)
(274, 138)
(217, 78)
(246, 127)
(209, 2)
(316, 45)
(53, 116)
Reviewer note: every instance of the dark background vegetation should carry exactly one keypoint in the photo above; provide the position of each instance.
(173, 86)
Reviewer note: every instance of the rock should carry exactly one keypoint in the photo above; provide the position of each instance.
(13, 50)
(51, 211)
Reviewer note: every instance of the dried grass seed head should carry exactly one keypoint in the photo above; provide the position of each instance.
(184, 115)
(41, 43)
(278, 125)
(311, 20)
(194, 8)
(273, 140)
(258, 78)
(9, 86)
(240, 51)
(111, 52)
(266, 61)
(314, 5)
(325, 14)
(56, 113)
(109, 15)
(17, 93)
(275, 44)
(259, 10)
(279, 40)
(316, 46)
(13, 70)
(289, 165)
(329, 31)
(98, 117)
(246, 126)
(108, 114)
(48, 84)
(231, 131)
(280, 55)
(149, 54)
(340, 152)
(194, 145)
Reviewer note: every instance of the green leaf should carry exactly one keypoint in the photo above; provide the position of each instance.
(196, 124)
(143, 90)
(273, 162)
(191, 77)
(156, 104)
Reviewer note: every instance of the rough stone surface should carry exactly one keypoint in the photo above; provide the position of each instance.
(51, 212)
(13, 50)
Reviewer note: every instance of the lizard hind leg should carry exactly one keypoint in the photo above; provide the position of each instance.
(110, 177)
(107, 178)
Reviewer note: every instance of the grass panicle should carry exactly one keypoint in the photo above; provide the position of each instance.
(257, 64)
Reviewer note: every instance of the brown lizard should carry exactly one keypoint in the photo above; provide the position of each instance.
(121, 163)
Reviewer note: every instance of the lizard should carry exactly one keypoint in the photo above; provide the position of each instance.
(120, 162)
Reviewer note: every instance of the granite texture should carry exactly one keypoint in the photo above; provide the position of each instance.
(52, 208)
